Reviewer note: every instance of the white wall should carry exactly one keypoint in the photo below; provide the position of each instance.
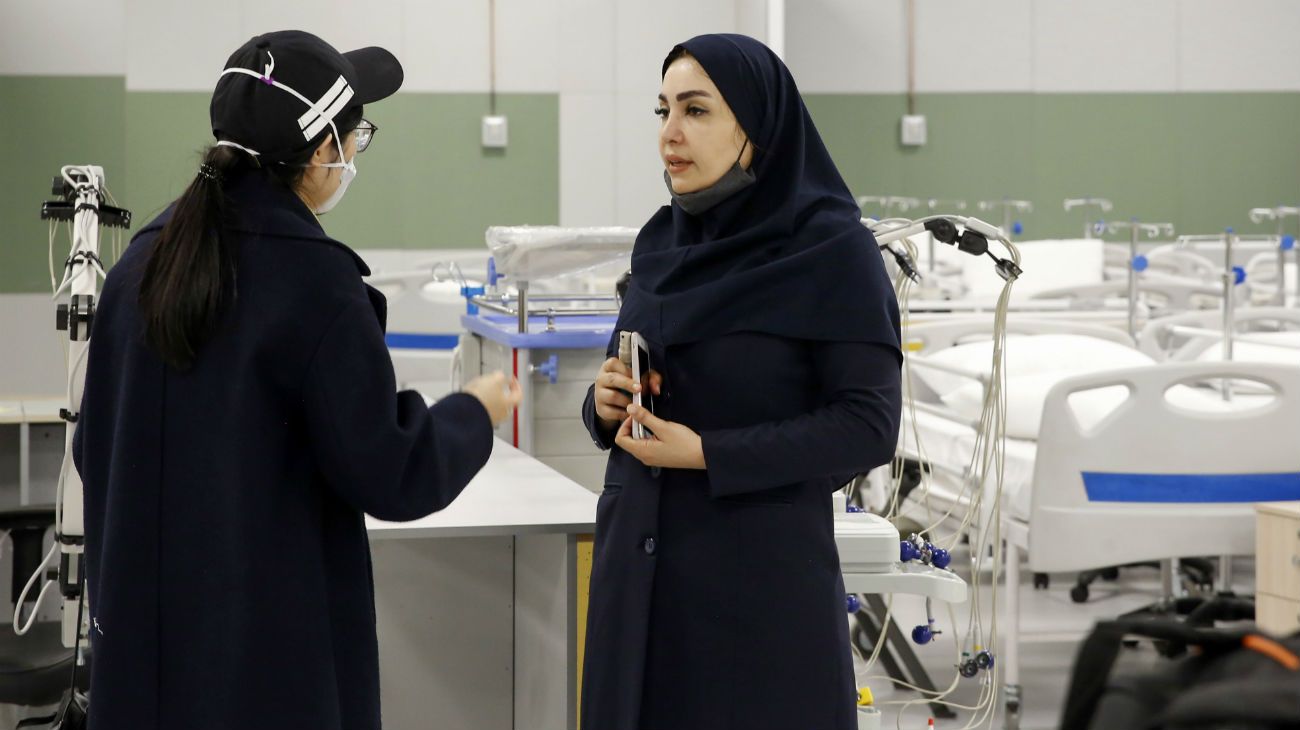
(1046, 46)
(31, 356)
(62, 38)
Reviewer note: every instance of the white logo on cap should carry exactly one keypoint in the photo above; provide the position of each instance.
(325, 109)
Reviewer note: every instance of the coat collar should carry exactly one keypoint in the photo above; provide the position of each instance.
(263, 208)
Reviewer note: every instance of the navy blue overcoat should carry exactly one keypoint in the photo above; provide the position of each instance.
(716, 597)
(228, 567)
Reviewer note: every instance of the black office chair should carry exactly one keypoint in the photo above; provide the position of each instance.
(1199, 572)
(35, 669)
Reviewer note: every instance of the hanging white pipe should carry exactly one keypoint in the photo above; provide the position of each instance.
(776, 27)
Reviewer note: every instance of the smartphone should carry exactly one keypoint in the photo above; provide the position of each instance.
(640, 357)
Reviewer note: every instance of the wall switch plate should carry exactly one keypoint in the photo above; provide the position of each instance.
(913, 130)
(495, 132)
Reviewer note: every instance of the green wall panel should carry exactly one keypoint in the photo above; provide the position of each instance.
(1200, 161)
(425, 183)
(45, 123)
(1235, 152)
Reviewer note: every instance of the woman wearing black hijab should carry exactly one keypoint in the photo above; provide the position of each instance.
(716, 597)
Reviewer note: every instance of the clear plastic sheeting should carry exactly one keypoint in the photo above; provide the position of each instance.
(529, 253)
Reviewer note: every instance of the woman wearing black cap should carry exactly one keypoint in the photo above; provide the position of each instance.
(240, 415)
(716, 596)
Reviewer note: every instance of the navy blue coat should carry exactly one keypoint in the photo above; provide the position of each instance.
(716, 597)
(229, 571)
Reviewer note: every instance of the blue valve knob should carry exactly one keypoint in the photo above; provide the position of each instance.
(854, 509)
(984, 659)
(1017, 228)
(1140, 263)
(1238, 275)
(924, 634)
(940, 558)
(908, 552)
(1288, 243)
(1099, 227)
(492, 271)
(551, 369)
(471, 291)
(852, 603)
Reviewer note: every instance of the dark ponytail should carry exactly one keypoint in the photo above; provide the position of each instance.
(191, 270)
(190, 276)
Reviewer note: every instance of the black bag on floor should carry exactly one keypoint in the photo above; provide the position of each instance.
(1231, 680)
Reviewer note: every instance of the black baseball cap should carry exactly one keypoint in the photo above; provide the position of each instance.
(253, 110)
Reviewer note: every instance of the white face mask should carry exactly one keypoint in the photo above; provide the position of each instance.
(349, 172)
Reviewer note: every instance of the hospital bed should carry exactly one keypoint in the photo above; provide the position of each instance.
(950, 358)
(1163, 294)
(1104, 492)
(1262, 279)
(1071, 278)
(946, 390)
(1084, 487)
(1260, 334)
(957, 277)
(1164, 259)
(426, 296)
(1055, 263)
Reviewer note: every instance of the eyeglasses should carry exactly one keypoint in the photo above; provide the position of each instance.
(365, 133)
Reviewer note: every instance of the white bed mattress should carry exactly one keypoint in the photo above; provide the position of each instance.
(949, 446)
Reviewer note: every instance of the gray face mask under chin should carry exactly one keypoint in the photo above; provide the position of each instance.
(732, 182)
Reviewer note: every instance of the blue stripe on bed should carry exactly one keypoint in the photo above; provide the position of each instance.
(415, 341)
(1109, 487)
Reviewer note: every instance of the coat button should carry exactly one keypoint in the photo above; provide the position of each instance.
(649, 546)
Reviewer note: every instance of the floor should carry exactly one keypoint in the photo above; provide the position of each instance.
(1051, 625)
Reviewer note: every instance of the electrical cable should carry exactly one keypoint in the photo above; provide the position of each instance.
(984, 474)
(21, 628)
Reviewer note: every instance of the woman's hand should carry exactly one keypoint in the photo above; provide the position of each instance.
(673, 445)
(498, 393)
(614, 387)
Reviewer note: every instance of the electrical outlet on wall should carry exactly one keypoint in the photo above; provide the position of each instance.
(495, 132)
(913, 130)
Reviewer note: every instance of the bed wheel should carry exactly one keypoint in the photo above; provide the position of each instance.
(1011, 707)
(1079, 594)
(1042, 581)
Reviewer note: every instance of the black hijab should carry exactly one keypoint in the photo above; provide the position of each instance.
(787, 255)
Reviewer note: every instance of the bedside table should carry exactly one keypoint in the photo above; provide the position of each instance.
(1277, 567)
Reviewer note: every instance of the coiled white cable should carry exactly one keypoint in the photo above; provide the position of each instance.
(20, 627)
